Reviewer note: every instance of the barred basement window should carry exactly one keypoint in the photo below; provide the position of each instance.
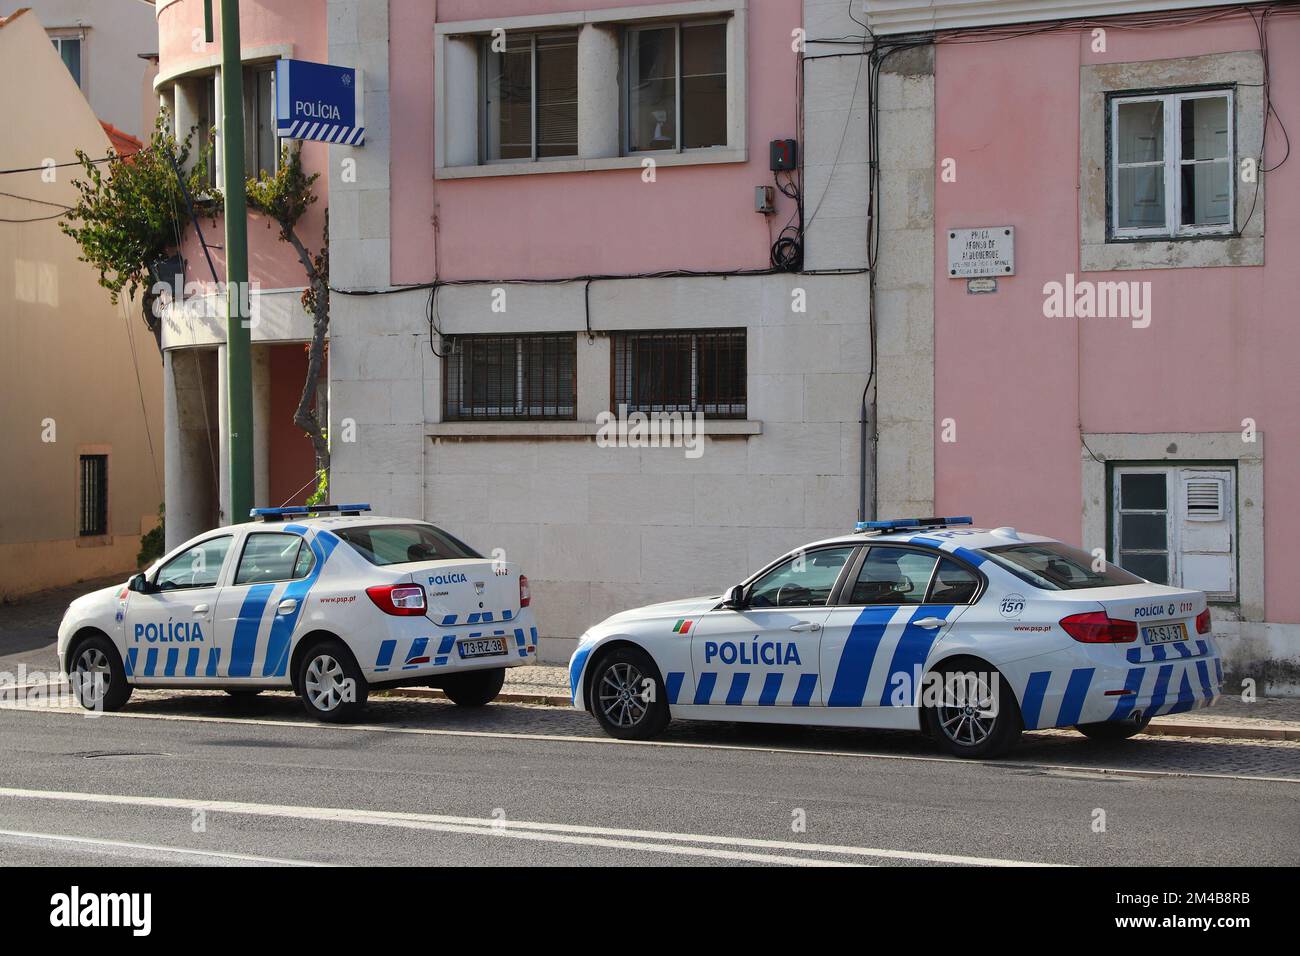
(696, 371)
(502, 377)
(94, 495)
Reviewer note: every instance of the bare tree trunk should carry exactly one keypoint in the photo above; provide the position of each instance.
(306, 416)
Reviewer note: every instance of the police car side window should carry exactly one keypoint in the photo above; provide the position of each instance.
(272, 557)
(806, 580)
(196, 567)
(953, 584)
(893, 576)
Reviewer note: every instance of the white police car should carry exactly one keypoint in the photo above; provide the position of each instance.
(331, 605)
(969, 634)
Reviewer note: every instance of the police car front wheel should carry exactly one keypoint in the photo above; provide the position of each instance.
(330, 683)
(627, 695)
(97, 677)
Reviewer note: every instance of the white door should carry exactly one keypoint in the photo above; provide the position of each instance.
(169, 629)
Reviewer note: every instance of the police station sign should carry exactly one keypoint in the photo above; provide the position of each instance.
(318, 101)
(983, 251)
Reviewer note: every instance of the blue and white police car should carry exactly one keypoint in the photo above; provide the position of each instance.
(928, 624)
(330, 603)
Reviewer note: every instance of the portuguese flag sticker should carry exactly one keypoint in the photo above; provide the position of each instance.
(682, 626)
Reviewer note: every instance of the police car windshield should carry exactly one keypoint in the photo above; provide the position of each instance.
(404, 543)
(1053, 566)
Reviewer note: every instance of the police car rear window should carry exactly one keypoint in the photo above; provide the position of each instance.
(403, 543)
(1053, 566)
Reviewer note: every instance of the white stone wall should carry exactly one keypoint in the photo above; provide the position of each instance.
(600, 529)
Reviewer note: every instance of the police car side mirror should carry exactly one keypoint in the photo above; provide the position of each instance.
(734, 599)
(140, 584)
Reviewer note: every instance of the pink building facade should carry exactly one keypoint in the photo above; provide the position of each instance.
(1127, 157)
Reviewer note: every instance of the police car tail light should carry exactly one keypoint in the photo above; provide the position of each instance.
(1097, 627)
(401, 599)
(524, 596)
(1203, 622)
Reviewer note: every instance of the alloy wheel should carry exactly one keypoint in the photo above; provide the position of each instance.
(621, 696)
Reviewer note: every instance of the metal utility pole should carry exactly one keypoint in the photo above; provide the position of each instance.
(238, 361)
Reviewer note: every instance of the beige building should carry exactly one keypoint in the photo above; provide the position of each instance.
(108, 46)
(80, 378)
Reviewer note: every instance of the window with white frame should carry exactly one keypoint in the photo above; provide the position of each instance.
(1177, 525)
(261, 146)
(529, 103)
(69, 48)
(675, 77)
(1171, 157)
(591, 90)
(205, 118)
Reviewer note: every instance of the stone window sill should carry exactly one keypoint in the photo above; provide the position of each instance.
(514, 431)
(701, 157)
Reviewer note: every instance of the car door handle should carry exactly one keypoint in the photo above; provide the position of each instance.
(930, 622)
(806, 626)
(200, 609)
(287, 605)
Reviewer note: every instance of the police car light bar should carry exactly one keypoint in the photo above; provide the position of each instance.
(279, 514)
(900, 524)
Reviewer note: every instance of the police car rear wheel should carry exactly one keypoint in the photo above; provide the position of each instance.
(330, 683)
(474, 688)
(627, 695)
(1113, 729)
(967, 720)
(97, 676)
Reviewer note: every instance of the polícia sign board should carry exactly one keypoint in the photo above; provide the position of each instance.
(318, 101)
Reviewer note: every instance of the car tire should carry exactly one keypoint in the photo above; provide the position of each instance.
(1113, 729)
(616, 695)
(961, 730)
(324, 673)
(474, 688)
(97, 656)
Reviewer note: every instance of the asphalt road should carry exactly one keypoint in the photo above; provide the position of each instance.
(199, 778)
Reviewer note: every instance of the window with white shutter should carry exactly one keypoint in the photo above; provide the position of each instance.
(1177, 525)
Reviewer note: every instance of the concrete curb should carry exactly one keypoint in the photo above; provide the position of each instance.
(1169, 728)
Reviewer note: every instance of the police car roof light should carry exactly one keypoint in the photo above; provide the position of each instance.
(279, 514)
(900, 524)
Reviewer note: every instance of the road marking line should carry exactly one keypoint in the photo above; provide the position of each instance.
(155, 848)
(648, 840)
(433, 822)
(680, 744)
